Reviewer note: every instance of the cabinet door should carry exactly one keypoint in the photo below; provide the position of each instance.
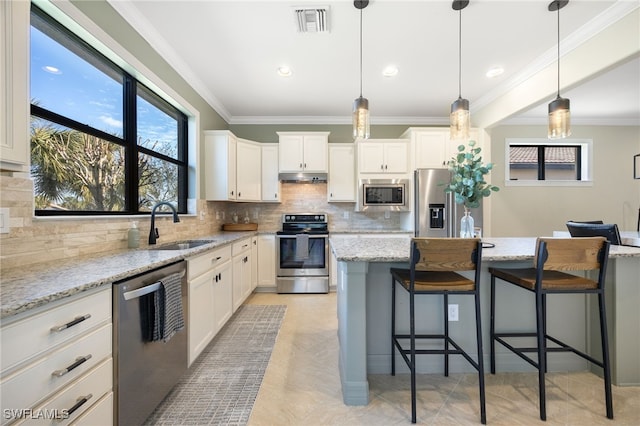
(395, 155)
(431, 149)
(241, 278)
(14, 85)
(248, 174)
(270, 181)
(222, 295)
(315, 153)
(342, 184)
(201, 314)
(290, 153)
(254, 263)
(371, 157)
(246, 275)
(220, 165)
(267, 260)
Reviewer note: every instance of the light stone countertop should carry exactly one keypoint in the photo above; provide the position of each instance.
(27, 288)
(356, 248)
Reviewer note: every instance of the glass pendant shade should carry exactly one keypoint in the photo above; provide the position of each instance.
(559, 118)
(361, 118)
(460, 119)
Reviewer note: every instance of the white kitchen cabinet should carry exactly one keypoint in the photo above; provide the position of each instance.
(303, 152)
(209, 297)
(220, 165)
(383, 156)
(14, 86)
(58, 350)
(341, 184)
(270, 180)
(254, 263)
(432, 147)
(248, 171)
(267, 261)
(241, 252)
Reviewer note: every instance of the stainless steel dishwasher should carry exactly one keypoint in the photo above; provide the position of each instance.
(144, 372)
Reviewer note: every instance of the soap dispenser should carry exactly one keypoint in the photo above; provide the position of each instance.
(133, 236)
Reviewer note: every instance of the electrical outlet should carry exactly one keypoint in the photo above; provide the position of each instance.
(452, 315)
(345, 215)
(217, 215)
(4, 220)
(202, 215)
(387, 215)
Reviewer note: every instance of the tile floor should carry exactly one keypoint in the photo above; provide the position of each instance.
(302, 385)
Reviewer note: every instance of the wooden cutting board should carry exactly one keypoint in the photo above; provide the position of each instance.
(240, 227)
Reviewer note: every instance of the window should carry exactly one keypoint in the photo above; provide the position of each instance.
(541, 162)
(101, 142)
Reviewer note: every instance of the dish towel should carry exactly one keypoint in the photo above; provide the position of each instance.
(302, 247)
(161, 311)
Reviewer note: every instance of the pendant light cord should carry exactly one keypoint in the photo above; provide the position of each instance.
(558, 48)
(360, 52)
(460, 53)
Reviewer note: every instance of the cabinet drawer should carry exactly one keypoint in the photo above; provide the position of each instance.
(31, 336)
(30, 385)
(99, 414)
(89, 388)
(200, 264)
(240, 246)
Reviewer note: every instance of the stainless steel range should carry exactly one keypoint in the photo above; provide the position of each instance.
(302, 254)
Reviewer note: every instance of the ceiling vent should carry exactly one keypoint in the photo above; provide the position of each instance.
(312, 19)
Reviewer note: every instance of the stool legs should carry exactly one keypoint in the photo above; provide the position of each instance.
(483, 413)
(393, 326)
(412, 332)
(446, 334)
(542, 353)
(492, 325)
(605, 355)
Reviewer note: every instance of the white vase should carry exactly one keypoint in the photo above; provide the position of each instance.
(467, 225)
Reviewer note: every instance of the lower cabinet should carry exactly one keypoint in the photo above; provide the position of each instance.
(254, 263)
(210, 298)
(57, 361)
(267, 261)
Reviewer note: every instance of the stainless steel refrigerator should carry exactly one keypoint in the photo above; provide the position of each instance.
(436, 213)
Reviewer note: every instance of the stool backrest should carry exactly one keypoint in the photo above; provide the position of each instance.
(584, 229)
(571, 254)
(445, 254)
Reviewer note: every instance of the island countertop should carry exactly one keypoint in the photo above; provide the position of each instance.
(369, 248)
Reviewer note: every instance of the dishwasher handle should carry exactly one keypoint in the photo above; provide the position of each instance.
(134, 294)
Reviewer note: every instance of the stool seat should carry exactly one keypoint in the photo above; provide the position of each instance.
(551, 280)
(433, 280)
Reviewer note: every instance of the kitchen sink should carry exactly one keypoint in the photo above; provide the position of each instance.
(182, 245)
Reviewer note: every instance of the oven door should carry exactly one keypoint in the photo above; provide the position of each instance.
(292, 262)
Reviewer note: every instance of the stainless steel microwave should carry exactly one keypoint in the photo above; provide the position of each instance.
(383, 194)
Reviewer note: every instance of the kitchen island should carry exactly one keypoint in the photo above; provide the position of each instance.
(364, 312)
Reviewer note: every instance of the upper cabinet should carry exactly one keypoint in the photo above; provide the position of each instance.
(432, 146)
(14, 86)
(232, 167)
(303, 151)
(342, 176)
(383, 156)
(270, 181)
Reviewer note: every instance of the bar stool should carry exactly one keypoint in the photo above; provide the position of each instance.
(432, 272)
(552, 257)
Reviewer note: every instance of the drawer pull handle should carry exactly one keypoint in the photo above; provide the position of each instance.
(77, 320)
(80, 360)
(216, 259)
(81, 400)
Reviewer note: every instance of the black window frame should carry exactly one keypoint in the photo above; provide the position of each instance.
(541, 164)
(129, 139)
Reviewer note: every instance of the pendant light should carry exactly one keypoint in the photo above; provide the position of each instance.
(559, 111)
(460, 118)
(361, 105)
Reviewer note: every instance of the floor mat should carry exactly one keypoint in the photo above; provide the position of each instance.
(222, 384)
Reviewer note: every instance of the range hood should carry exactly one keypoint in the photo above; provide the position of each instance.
(302, 177)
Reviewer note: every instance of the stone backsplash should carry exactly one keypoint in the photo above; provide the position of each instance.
(35, 240)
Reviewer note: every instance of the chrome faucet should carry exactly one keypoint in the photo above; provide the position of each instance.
(153, 233)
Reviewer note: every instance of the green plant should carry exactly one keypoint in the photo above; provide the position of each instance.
(467, 177)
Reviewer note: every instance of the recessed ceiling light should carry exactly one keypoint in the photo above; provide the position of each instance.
(52, 70)
(284, 71)
(494, 72)
(390, 71)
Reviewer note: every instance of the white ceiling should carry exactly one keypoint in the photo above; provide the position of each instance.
(229, 52)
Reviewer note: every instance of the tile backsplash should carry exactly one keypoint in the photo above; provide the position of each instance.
(36, 240)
